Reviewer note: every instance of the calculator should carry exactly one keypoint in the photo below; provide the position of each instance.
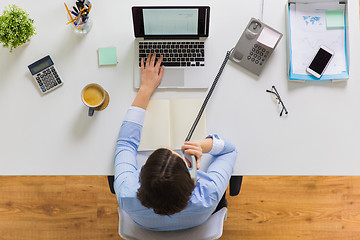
(45, 74)
(255, 46)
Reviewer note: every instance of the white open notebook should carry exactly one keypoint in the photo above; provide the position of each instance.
(167, 123)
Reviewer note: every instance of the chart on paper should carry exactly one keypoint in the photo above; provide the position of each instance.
(309, 31)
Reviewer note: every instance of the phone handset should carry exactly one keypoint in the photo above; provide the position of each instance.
(253, 29)
(192, 170)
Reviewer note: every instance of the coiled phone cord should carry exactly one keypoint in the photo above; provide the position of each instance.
(208, 95)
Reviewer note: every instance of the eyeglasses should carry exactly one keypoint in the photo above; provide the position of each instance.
(278, 98)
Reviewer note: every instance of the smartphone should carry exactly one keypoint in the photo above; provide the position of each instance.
(320, 61)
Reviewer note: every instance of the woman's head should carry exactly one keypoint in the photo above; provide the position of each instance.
(165, 183)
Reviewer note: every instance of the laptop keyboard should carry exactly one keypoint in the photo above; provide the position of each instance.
(176, 54)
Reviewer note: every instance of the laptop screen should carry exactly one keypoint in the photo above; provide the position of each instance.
(171, 22)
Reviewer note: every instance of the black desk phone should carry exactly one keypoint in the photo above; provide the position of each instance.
(255, 46)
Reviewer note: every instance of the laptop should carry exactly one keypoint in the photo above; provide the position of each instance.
(177, 33)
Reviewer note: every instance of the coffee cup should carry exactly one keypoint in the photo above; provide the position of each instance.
(93, 96)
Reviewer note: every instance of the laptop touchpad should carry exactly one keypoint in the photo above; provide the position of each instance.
(173, 78)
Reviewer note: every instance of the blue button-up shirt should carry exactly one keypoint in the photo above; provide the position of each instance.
(209, 189)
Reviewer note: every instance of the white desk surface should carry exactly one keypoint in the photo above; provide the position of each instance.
(52, 134)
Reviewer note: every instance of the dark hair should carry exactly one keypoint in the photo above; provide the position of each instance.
(165, 183)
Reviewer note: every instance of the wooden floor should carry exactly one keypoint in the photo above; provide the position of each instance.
(79, 207)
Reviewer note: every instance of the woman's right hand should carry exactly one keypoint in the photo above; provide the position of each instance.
(151, 75)
(151, 72)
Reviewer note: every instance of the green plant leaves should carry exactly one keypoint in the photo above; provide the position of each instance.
(16, 27)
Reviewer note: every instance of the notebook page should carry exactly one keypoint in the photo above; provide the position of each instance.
(156, 128)
(183, 113)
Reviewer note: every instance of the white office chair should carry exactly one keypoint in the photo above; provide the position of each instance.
(209, 230)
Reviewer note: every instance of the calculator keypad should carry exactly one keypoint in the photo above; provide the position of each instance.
(258, 54)
(48, 79)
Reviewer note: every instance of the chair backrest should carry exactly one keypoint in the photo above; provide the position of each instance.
(209, 230)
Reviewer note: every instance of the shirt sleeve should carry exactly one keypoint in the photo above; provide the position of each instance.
(126, 146)
(222, 166)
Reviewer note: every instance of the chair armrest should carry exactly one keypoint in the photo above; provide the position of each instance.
(235, 185)
(111, 183)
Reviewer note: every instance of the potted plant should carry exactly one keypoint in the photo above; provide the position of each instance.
(16, 27)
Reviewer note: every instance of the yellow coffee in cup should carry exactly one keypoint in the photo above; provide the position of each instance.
(93, 95)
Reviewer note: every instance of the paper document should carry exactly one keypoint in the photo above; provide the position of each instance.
(309, 31)
(167, 123)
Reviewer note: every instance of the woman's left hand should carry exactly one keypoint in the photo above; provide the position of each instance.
(193, 148)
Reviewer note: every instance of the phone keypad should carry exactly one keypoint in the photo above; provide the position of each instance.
(258, 55)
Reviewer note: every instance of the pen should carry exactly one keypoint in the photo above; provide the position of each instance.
(82, 12)
(79, 5)
(74, 13)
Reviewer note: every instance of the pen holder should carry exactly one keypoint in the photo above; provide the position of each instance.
(83, 28)
(78, 16)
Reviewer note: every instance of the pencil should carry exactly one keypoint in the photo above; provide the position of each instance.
(71, 21)
(67, 9)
